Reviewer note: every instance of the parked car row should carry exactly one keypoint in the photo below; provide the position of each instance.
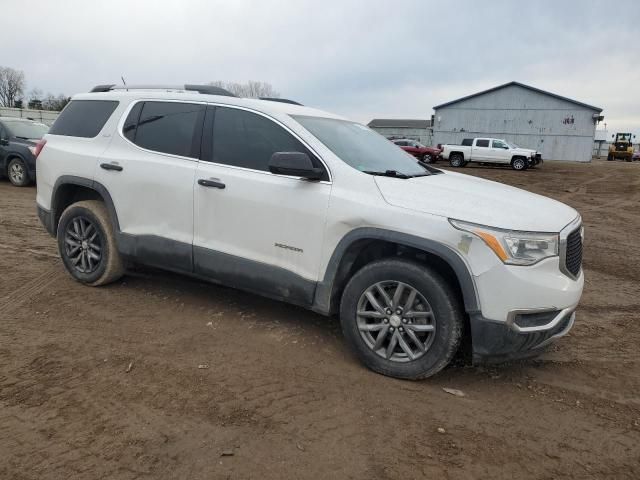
(478, 150)
(304, 206)
(18, 142)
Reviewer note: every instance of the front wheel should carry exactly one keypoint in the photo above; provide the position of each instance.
(519, 164)
(87, 245)
(401, 318)
(456, 160)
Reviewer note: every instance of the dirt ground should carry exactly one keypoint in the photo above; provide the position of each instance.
(109, 382)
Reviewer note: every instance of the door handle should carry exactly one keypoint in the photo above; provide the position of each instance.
(111, 166)
(211, 183)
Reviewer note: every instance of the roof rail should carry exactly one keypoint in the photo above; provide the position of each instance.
(102, 88)
(281, 100)
(204, 89)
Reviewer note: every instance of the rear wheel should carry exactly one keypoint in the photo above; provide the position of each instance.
(402, 319)
(87, 245)
(426, 158)
(456, 160)
(519, 163)
(17, 172)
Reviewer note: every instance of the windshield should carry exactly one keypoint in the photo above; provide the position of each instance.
(22, 129)
(361, 147)
(512, 145)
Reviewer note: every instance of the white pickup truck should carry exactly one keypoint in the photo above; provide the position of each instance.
(491, 150)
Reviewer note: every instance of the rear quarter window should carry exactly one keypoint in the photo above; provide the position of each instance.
(83, 118)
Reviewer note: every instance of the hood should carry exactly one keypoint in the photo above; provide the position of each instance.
(472, 199)
(29, 142)
(525, 150)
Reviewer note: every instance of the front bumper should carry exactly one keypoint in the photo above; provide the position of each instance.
(498, 341)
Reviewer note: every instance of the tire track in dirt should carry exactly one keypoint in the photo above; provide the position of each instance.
(13, 300)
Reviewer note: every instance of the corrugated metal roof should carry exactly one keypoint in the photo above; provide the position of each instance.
(395, 123)
(518, 84)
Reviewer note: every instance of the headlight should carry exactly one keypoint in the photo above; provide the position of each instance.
(511, 246)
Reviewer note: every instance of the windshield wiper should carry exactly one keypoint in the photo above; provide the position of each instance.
(388, 173)
(22, 138)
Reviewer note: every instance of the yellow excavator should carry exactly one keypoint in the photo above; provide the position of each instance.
(622, 147)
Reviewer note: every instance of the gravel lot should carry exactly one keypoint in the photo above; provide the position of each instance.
(160, 376)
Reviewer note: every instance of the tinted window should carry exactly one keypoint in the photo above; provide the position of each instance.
(245, 139)
(467, 141)
(170, 127)
(482, 143)
(130, 125)
(83, 118)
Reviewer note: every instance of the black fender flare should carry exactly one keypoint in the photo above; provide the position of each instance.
(324, 289)
(83, 182)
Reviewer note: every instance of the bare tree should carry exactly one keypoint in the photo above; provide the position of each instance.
(251, 89)
(11, 86)
(54, 103)
(35, 99)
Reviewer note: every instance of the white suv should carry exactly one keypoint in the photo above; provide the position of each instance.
(307, 207)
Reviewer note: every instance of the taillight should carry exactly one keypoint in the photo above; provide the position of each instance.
(39, 146)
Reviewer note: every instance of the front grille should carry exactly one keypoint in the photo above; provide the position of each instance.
(573, 257)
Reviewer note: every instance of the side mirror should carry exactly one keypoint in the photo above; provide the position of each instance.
(296, 164)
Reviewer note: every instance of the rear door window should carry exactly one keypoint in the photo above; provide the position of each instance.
(245, 139)
(83, 118)
(482, 143)
(166, 127)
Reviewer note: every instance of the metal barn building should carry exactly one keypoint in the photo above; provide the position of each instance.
(559, 127)
(419, 130)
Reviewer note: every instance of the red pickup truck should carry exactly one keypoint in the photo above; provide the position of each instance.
(425, 154)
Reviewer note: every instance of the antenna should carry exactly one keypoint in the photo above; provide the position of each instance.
(124, 83)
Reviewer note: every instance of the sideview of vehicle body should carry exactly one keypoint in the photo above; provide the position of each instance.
(310, 208)
(18, 143)
(421, 152)
(491, 151)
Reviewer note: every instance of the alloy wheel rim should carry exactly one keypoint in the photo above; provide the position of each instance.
(17, 173)
(83, 245)
(395, 321)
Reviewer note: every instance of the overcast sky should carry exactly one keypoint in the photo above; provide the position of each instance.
(361, 59)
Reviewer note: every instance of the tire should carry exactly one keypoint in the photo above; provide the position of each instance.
(457, 160)
(426, 158)
(519, 163)
(17, 172)
(84, 233)
(433, 296)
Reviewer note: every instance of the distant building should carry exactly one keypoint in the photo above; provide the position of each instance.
(419, 130)
(559, 127)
